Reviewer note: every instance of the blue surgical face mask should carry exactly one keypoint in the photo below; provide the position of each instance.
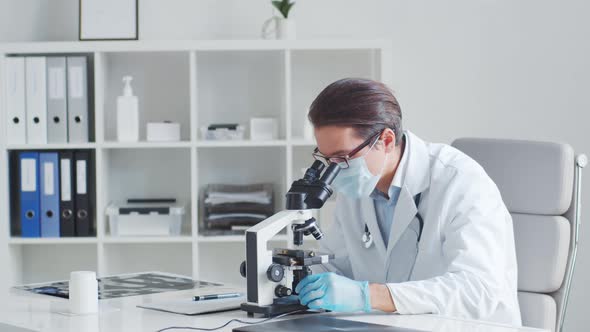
(357, 181)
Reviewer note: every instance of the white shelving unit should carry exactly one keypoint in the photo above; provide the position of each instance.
(195, 83)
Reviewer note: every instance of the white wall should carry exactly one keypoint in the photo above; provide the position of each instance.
(496, 68)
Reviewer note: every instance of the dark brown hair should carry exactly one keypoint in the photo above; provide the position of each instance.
(365, 105)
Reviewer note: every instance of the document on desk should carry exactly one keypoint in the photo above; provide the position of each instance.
(187, 306)
(321, 323)
(133, 284)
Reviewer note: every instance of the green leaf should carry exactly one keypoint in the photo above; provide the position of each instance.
(288, 9)
(278, 5)
(283, 6)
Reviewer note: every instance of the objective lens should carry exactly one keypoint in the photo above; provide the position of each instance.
(297, 238)
(317, 232)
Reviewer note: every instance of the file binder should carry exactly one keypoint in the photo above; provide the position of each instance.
(57, 121)
(77, 99)
(82, 197)
(15, 100)
(49, 184)
(36, 100)
(29, 194)
(66, 204)
(15, 212)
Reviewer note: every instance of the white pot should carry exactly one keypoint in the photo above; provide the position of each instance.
(286, 29)
(83, 292)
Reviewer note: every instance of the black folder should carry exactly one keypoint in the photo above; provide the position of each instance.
(14, 169)
(82, 197)
(67, 173)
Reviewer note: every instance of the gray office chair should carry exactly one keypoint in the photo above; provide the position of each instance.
(540, 183)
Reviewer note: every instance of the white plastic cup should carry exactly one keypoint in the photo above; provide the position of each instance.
(83, 292)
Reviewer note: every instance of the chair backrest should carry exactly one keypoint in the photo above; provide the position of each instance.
(540, 185)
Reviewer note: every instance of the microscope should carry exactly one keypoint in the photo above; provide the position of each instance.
(271, 276)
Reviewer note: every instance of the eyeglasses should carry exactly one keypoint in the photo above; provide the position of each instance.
(344, 160)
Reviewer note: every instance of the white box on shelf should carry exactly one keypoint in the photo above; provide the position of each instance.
(262, 129)
(145, 220)
(163, 131)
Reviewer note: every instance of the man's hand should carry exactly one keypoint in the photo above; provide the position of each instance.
(333, 292)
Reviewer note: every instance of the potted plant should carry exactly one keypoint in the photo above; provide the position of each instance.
(284, 26)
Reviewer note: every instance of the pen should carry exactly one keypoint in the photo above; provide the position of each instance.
(216, 296)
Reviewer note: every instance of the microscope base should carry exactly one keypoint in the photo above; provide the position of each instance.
(272, 310)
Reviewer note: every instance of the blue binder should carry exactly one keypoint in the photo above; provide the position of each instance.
(29, 194)
(49, 181)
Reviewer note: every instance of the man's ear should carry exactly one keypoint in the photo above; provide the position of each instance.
(388, 140)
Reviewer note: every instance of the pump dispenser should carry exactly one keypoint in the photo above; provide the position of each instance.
(127, 114)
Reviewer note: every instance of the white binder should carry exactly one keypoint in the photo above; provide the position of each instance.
(36, 102)
(16, 122)
(77, 99)
(57, 121)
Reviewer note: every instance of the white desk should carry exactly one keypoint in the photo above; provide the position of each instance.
(39, 312)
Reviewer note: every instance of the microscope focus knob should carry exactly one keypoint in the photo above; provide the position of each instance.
(275, 272)
(243, 269)
(282, 291)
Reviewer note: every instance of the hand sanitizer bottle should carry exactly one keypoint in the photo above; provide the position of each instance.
(127, 114)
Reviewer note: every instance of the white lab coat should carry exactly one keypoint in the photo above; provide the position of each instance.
(465, 263)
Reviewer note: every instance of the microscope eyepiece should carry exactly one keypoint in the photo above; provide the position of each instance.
(313, 172)
(330, 173)
(313, 190)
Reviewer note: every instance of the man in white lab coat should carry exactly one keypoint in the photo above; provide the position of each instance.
(419, 227)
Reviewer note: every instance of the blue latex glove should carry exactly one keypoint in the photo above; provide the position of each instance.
(333, 292)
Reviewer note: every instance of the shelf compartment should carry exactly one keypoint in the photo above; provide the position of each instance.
(14, 197)
(147, 173)
(87, 92)
(161, 83)
(240, 166)
(234, 86)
